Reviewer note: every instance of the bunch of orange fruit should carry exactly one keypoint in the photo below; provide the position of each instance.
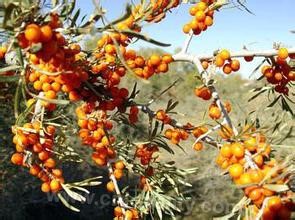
(130, 214)
(175, 135)
(93, 132)
(280, 73)
(159, 8)
(145, 153)
(203, 92)
(202, 17)
(118, 171)
(161, 115)
(27, 140)
(248, 163)
(215, 112)
(56, 66)
(223, 59)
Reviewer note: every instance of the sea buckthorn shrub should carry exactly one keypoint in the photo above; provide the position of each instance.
(51, 69)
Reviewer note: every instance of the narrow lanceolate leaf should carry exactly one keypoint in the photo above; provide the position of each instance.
(258, 93)
(74, 19)
(9, 78)
(9, 68)
(24, 114)
(66, 204)
(54, 101)
(124, 17)
(17, 97)
(286, 106)
(274, 101)
(74, 195)
(20, 56)
(144, 38)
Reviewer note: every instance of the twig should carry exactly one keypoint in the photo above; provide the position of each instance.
(120, 200)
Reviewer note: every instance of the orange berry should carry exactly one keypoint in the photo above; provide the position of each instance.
(208, 21)
(255, 194)
(186, 28)
(118, 211)
(214, 113)
(200, 16)
(256, 176)
(201, 6)
(49, 163)
(45, 187)
(227, 68)
(238, 150)
(50, 94)
(37, 85)
(236, 170)
(258, 160)
(235, 65)
(283, 53)
(110, 186)
(56, 86)
(57, 172)
(33, 33)
(224, 54)
(55, 185)
(225, 151)
(205, 64)
(167, 58)
(274, 203)
(110, 49)
(118, 173)
(198, 146)
(120, 165)
(128, 215)
(219, 61)
(46, 33)
(245, 179)
(17, 159)
(155, 60)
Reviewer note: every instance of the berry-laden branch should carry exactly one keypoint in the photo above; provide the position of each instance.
(206, 79)
(120, 200)
(247, 53)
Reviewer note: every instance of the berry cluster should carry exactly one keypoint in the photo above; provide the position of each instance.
(280, 73)
(145, 153)
(175, 135)
(27, 140)
(215, 112)
(130, 214)
(203, 92)
(54, 67)
(224, 60)
(202, 17)
(93, 132)
(159, 8)
(161, 115)
(248, 163)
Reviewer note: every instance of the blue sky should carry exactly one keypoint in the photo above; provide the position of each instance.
(232, 28)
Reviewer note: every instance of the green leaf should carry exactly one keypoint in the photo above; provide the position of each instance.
(24, 114)
(9, 68)
(74, 19)
(274, 101)
(286, 106)
(66, 204)
(17, 97)
(20, 56)
(261, 90)
(144, 38)
(9, 78)
(128, 12)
